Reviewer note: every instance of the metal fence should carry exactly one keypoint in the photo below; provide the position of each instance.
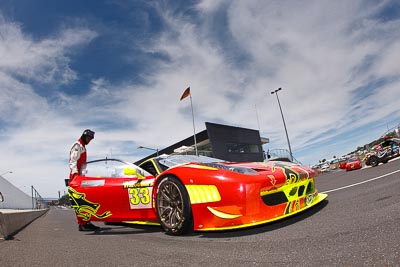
(11, 197)
(280, 154)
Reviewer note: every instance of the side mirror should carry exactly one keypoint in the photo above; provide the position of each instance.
(133, 171)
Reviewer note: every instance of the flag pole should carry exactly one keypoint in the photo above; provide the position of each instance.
(258, 121)
(194, 129)
(185, 94)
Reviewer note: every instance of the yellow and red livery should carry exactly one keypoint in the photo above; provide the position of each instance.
(184, 193)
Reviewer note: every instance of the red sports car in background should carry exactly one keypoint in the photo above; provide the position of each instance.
(353, 163)
(342, 165)
(185, 193)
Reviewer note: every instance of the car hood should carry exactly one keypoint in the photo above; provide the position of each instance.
(278, 172)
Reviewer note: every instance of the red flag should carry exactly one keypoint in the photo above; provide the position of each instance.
(186, 93)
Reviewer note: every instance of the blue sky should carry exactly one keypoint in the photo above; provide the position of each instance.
(120, 67)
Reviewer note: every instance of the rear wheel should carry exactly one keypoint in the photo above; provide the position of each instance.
(173, 206)
(373, 160)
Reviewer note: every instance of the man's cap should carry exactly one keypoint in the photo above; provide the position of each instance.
(88, 132)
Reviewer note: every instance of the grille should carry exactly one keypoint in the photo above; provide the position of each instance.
(274, 198)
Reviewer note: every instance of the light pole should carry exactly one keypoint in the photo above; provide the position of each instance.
(149, 148)
(283, 119)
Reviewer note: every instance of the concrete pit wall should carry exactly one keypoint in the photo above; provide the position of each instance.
(12, 221)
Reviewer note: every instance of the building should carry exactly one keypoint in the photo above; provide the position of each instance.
(224, 142)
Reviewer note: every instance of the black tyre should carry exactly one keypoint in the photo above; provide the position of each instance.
(173, 206)
(373, 161)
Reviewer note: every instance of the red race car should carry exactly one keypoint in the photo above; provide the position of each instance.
(353, 163)
(185, 193)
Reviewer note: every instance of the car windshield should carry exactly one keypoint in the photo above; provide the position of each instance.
(112, 168)
(172, 160)
(353, 159)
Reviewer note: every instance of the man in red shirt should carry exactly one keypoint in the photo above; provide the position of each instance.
(77, 163)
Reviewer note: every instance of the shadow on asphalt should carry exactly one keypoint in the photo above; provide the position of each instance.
(126, 229)
(129, 229)
(267, 227)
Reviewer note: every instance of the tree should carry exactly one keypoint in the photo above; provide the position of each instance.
(64, 200)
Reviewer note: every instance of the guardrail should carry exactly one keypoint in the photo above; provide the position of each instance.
(37, 200)
(280, 154)
(11, 197)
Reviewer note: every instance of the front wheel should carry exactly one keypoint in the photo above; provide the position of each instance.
(173, 206)
(374, 161)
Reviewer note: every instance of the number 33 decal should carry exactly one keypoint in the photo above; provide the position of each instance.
(140, 197)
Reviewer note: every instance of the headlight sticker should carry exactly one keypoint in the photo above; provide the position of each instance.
(92, 183)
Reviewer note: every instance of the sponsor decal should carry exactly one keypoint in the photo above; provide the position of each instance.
(272, 179)
(83, 207)
(310, 198)
(293, 173)
(136, 184)
(395, 149)
(382, 153)
(292, 206)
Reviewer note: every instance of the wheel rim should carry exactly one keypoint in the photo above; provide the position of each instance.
(170, 204)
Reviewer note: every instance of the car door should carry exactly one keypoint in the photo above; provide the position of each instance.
(115, 191)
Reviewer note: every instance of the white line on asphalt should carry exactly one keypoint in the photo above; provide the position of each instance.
(363, 182)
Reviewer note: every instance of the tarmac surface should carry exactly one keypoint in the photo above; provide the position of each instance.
(358, 225)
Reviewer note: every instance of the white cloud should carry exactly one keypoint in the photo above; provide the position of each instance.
(311, 50)
(324, 54)
(34, 133)
(44, 61)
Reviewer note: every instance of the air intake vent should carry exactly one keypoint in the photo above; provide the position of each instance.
(274, 198)
(310, 188)
(301, 191)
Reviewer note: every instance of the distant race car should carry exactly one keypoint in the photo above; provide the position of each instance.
(325, 168)
(383, 152)
(342, 165)
(353, 163)
(185, 193)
